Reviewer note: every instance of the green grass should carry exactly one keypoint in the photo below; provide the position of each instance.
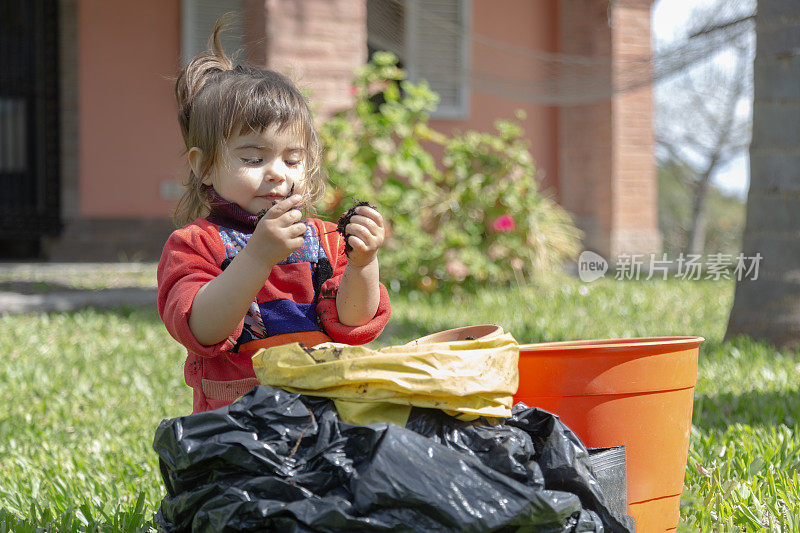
(83, 393)
(91, 276)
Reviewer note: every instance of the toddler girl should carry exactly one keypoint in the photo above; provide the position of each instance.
(246, 270)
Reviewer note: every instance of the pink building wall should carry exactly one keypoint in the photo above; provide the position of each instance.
(129, 140)
(597, 158)
(523, 24)
(128, 53)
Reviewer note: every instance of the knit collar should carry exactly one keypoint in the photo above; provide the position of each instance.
(229, 215)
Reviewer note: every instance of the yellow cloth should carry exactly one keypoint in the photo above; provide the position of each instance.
(467, 378)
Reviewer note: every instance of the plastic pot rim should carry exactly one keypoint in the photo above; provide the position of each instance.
(632, 343)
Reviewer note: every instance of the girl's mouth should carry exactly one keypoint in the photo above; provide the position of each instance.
(276, 196)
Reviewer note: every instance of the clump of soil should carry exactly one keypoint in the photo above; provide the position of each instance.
(344, 220)
(336, 352)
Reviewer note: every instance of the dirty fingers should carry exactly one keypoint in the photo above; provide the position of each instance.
(365, 234)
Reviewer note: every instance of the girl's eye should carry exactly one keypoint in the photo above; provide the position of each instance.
(254, 161)
(293, 162)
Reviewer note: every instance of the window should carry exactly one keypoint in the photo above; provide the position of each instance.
(197, 22)
(431, 39)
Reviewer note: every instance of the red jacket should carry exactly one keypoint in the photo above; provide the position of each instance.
(289, 308)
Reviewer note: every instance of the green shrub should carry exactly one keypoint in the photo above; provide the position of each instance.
(471, 214)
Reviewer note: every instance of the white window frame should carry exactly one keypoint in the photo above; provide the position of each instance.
(413, 56)
(189, 30)
(460, 110)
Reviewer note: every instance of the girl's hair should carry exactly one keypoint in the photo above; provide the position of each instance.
(217, 99)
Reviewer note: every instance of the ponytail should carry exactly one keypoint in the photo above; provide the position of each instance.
(194, 76)
(202, 69)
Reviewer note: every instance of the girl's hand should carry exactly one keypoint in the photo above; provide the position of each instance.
(278, 233)
(365, 234)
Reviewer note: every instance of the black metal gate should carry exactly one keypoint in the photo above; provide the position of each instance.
(29, 125)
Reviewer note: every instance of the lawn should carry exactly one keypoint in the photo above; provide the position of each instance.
(83, 393)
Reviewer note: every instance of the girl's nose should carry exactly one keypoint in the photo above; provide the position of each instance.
(274, 171)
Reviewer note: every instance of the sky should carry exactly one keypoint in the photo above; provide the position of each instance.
(670, 19)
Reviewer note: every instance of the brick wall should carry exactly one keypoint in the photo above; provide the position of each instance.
(634, 179)
(585, 129)
(318, 43)
(607, 170)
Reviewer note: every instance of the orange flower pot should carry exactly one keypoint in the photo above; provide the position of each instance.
(638, 392)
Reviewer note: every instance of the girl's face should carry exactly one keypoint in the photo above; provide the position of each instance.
(257, 169)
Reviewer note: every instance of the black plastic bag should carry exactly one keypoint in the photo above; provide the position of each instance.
(275, 460)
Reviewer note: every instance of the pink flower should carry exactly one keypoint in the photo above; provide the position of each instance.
(353, 90)
(504, 223)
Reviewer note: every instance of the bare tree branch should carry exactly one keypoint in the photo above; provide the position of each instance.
(723, 25)
(704, 129)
